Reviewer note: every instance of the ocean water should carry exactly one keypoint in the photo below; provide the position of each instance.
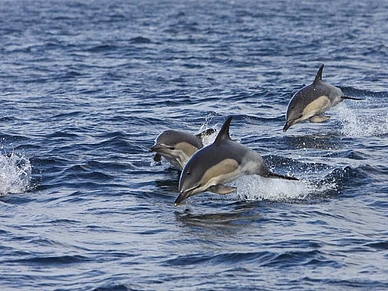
(86, 87)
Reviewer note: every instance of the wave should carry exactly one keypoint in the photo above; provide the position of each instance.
(140, 39)
(364, 118)
(263, 258)
(257, 188)
(15, 174)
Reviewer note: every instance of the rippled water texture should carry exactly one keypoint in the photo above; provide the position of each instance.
(86, 87)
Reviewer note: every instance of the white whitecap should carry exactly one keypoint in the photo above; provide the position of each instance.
(363, 121)
(258, 188)
(15, 174)
(209, 139)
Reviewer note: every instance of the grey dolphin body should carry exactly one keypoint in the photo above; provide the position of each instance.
(178, 146)
(221, 162)
(312, 101)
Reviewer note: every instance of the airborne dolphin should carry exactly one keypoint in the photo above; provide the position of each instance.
(312, 101)
(221, 162)
(178, 146)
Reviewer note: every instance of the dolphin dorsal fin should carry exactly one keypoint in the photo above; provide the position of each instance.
(224, 132)
(318, 77)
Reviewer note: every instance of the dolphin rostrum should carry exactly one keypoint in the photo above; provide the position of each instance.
(312, 101)
(178, 146)
(221, 162)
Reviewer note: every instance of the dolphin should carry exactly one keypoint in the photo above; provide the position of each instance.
(178, 146)
(220, 162)
(312, 101)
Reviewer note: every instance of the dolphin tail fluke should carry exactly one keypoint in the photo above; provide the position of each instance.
(279, 176)
(351, 98)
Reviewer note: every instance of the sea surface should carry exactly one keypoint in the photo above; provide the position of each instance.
(87, 86)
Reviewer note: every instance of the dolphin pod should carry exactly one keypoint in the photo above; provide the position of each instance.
(221, 162)
(312, 101)
(209, 168)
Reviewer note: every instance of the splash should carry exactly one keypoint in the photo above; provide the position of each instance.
(259, 188)
(15, 174)
(208, 139)
(356, 122)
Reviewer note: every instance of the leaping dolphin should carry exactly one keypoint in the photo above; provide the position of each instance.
(178, 146)
(221, 162)
(312, 101)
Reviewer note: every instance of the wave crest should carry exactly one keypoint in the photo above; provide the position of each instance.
(259, 188)
(364, 122)
(15, 174)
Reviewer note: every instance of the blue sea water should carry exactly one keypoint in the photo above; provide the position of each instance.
(86, 87)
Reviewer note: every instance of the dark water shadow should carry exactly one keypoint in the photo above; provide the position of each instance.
(170, 182)
(329, 141)
(228, 218)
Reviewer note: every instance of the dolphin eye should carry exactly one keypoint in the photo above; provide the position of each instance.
(188, 174)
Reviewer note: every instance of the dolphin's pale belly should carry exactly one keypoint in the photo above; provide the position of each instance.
(319, 105)
(182, 158)
(225, 171)
(177, 158)
(173, 161)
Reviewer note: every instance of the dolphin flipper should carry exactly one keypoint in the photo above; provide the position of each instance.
(222, 189)
(279, 176)
(318, 118)
(157, 158)
(351, 98)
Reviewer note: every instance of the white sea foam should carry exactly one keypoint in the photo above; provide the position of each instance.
(15, 174)
(356, 122)
(259, 188)
(209, 139)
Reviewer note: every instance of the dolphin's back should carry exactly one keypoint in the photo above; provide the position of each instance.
(210, 156)
(214, 154)
(174, 137)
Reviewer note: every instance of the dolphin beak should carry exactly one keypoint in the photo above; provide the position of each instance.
(155, 148)
(291, 122)
(287, 126)
(182, 196)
